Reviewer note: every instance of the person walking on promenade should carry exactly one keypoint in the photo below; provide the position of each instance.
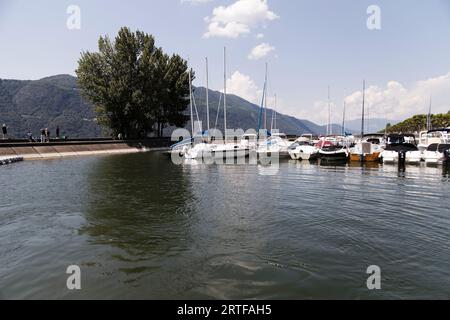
(4, 131)
(42, 135)
(57, 132)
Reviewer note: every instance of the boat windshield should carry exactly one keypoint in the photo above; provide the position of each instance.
(279, 135)
(374, 140)
(438, 147)
(396, 139)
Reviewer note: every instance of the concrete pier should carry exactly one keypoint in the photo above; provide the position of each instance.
(58, 149)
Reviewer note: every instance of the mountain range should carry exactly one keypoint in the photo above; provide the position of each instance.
(370, 126)
(56, 101)
(46, 103)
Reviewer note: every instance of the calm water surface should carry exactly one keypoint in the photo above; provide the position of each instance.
(142, 227)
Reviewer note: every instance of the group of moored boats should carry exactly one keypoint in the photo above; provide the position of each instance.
(432, 147)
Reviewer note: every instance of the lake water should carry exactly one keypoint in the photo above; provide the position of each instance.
(141, 227)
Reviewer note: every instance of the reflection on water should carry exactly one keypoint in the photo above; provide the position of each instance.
(142, 227)
(151, 195)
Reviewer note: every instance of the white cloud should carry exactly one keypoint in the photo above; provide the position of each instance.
(244, 87)
(318, 113)
(260, 51)
(393, 101)
(260, 36)
(238, 18)
(195, 1)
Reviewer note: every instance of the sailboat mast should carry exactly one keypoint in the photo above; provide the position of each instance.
(343, 120)
(363, 109)
(225, 91)
(265, 103)
(429, 117)
(272, 119)
(207, 94)
(329, 127)
(190, 101)
(275, 111)
(261, 110)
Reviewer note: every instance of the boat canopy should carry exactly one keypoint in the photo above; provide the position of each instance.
(381, 135)
(400, 138)
(401, 147)
(439, 130)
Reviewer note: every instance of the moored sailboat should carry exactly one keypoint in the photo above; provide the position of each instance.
(332, 148)
(217, 150)
(369, 148)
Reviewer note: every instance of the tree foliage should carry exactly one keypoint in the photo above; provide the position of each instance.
(418, 123)
(135, 87)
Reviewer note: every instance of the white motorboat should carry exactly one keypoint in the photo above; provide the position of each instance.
(436, 136)
(399, 151)
(437, 153)
(303, 148)
(276, 144)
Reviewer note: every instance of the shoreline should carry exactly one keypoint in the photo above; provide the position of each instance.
(55, 150)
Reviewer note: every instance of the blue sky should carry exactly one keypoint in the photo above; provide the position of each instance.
(314, 44)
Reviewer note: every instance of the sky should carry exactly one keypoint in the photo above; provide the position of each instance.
(400, 48)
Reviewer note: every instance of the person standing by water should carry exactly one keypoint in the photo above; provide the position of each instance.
(30, 136)
(42, 135)
(5, 131)
(47, 135)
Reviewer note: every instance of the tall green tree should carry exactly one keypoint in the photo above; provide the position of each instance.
(135, 87)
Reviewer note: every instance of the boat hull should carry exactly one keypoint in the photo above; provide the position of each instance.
(303, 156)
(333, 156)
(230, 154)
(434, 157)
(216, 152)
(273, 154)
(372, 157)
(411, 157)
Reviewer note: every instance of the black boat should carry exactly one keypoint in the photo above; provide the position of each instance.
(334, 153)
